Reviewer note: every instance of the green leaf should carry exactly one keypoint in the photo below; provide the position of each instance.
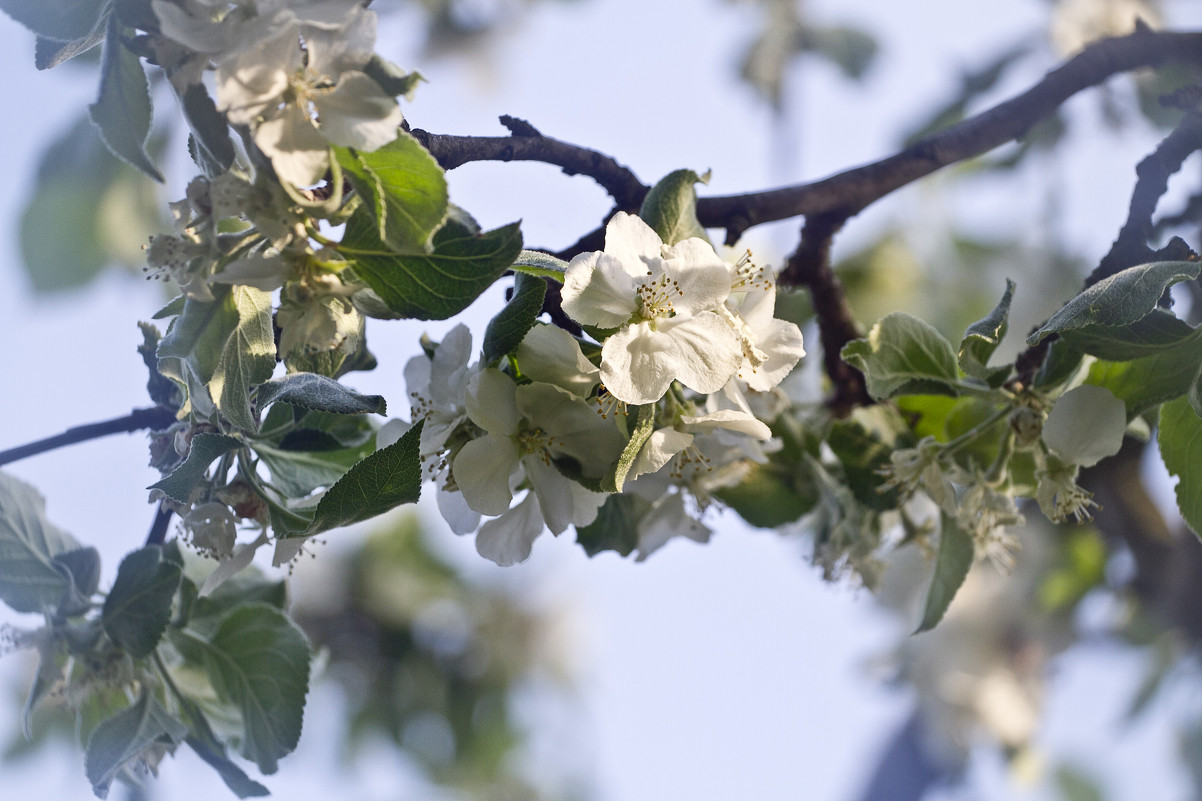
(209, 126)
(30, 579)
(296, 473)
(318, 393)
(388, 478)
(670, 208)
(234, 777)
(221, 348)
(981, 340)
(1180, 440)
(49, 53)
(82, 568)
(902, 355)
(863, 443)
(1148, 336)
(258, 661)
(247, 358)
(616, 526)
(771, 495)
(542, 265)
(131, 735)
(644, 425)
(1121, 299)
(433, 286)
(1145, 383)
(952, 564)
(85, 210)
(506, 331)
(51, 673)
(403, 189)
(123, 110)
(205, 448)
(138, 607)
(391, 78)
(62, 20)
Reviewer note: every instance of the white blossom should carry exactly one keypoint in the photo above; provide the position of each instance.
(297, 101)
(663, 301)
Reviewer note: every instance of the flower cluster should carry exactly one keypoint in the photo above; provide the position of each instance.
(686, 337)
(290, 71)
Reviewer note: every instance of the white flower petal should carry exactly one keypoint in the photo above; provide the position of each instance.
(666, 520)
(483, 469)
(599, 290)
(707, 352)
(491, 402)
(575, 428)
(730, 420)
(299, 154)
(659, 449)
(391, 432)
(244, 554)
(508, 539)
(356, 112)
(551, 355)
(638, 364)
(701, 276)
(632, 242)
(1086, 425)
(454, 509)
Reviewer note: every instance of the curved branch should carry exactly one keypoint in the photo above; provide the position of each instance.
(854, 189)
(859, 187)
(527, 144)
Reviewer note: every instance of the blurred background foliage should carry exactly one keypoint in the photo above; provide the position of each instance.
(431, 659)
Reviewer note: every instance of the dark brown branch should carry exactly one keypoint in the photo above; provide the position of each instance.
(854, 189)
(528, 145)
(810, 267)
(1131, 246)
(155, 418)
(857, 188)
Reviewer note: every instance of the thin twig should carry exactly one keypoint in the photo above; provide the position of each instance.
(158, 529)
(154, 417)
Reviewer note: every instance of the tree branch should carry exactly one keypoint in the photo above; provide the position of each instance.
(526, 144)
(810, 267)
(155, 417)
(854, 189)
(857, 188)
(1131, 246)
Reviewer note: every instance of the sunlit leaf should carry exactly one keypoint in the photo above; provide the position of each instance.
(433, 286)
(403, 189)
(670, 208)
(902, 355)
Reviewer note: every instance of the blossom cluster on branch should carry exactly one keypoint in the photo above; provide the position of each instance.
(626, 394)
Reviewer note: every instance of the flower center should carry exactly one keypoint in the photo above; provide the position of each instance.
(656, 297)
